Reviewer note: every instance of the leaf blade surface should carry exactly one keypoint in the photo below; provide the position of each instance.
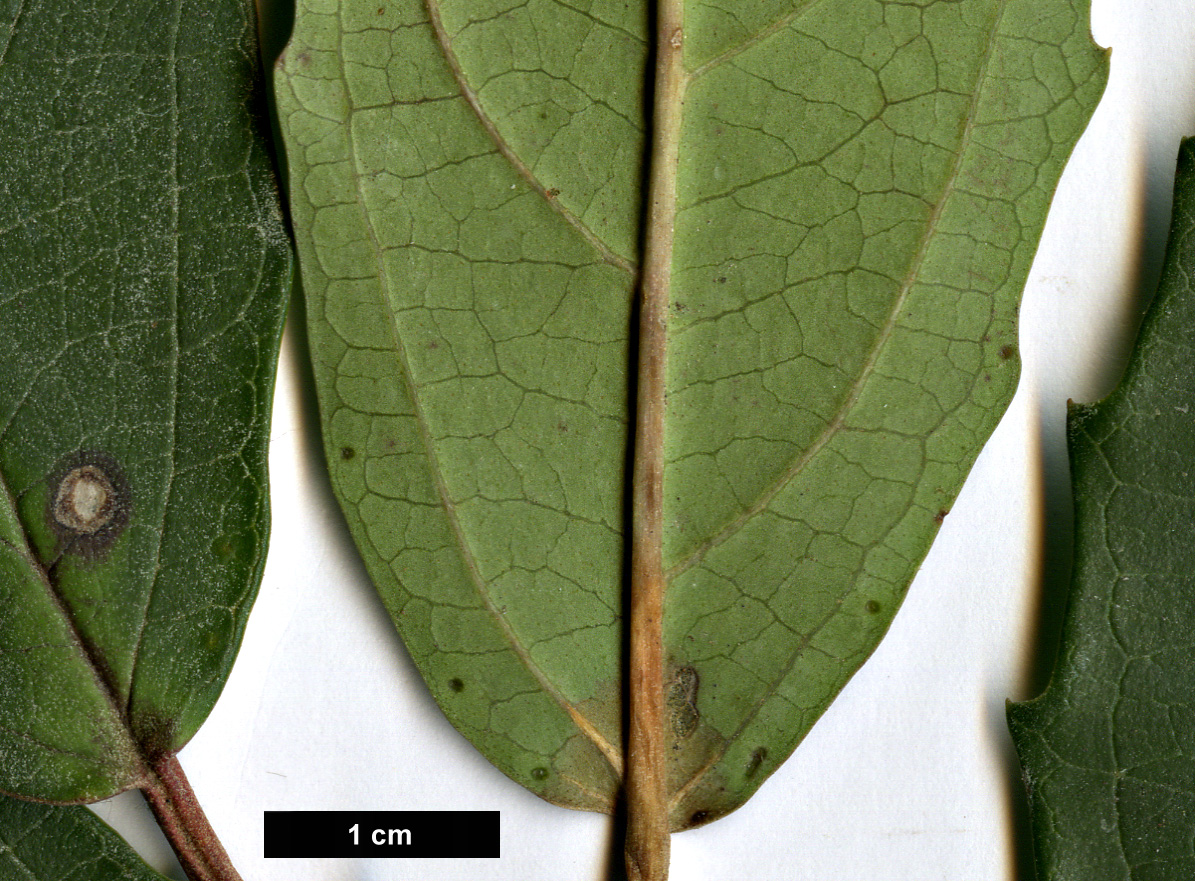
(52, 843)
(860, 190)
(1105, 749)
(142, 286)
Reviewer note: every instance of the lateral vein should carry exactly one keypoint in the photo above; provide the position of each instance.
(604, 250)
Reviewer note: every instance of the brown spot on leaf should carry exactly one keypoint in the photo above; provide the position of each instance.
(89, 503)
(682, 702)
(941, 515)
(456, 685)
(1007, 351)
(756, 760)
(347, 453)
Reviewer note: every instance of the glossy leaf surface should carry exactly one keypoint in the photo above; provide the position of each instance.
(64, 843)
(1109, 749)
(860, 192)
(143, 274)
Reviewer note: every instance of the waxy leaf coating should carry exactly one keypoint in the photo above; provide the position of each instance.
(143, 276)
(860, 191)
(1108, 750)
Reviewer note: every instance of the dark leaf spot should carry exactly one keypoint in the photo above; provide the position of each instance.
(89, 503)
(1007, 351)
(456, 685)
(539, 773)
(347, 453)
(872, 606)
(756, 760)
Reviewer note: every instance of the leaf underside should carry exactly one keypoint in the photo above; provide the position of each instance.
(143, 274)
(861, 189)
(1108, 750)
(64, 843)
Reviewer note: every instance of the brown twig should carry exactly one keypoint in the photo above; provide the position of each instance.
(178, 812)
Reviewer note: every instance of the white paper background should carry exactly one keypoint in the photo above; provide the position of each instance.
(910, 775)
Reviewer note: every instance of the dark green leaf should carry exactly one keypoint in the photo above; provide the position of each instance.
(1109, 749)
(143, 274)
(55, 843)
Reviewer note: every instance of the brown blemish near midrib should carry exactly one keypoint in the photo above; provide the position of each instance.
(682, 702)
(88, 504)
(756, 761)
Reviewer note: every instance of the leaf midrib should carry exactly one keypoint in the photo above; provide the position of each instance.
(103, 686)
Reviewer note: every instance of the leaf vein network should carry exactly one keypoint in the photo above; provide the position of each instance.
(447, 504)
(869, 367)
(470, 96)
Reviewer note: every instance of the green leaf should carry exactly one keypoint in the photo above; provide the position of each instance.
(1108, 748)
(51, 843)
(861, 187)
(143, 275)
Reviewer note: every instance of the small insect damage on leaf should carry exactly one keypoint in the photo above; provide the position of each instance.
(89, 503)
(682, 702)
(756, 761)
(700, 818)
